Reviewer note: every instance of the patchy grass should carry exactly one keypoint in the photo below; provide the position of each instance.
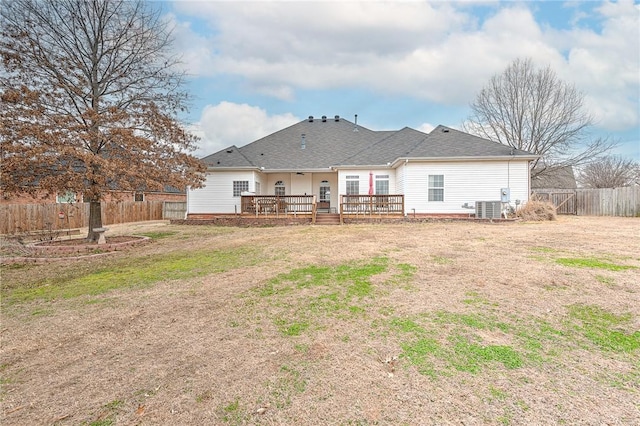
(128, 273)
(440, 342)
(339, 291)
(338, 325)
(158, 235)
(604, 328)
(585, 262)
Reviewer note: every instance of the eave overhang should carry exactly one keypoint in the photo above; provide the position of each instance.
(401, 160)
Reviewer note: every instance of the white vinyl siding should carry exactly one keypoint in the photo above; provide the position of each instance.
(465, 182)
(362, 177)
(217, 194)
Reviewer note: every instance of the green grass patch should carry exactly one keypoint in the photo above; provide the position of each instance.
(423, 353)
(605, 328)
(306, 295)
(586, 262)
(127, 273)
(158, 235)
(479, 321)
(294, 328)
(407, 325)
(471, 357)
(442, 342)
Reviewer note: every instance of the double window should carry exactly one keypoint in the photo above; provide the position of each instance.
(436, 187)
(382, 184)
(353, 185)
(240, 186)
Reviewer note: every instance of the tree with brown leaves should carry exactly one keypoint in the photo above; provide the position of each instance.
(531, 109)
(90, 101)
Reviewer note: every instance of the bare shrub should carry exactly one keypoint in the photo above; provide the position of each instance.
(537, 210)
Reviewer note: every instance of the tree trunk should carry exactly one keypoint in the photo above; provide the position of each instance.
(95, 218)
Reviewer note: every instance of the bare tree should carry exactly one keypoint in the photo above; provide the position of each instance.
(610, 171)
(90, 98)
(534, 111)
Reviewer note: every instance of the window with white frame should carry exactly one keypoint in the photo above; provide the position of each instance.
(382, 184)
(436, 187)
(353, 185)
(66, 197)
(279, 189)
(240, 186)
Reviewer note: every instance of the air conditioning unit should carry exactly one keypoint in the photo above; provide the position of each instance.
(488, 209)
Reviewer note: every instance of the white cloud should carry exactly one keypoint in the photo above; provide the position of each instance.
(227, 123)
(426, 127)
(437, 52)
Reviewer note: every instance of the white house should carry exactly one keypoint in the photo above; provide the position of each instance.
(329, 161)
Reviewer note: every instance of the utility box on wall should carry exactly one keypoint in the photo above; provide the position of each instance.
(505, 195)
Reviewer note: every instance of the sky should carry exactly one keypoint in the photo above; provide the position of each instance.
(257, 67)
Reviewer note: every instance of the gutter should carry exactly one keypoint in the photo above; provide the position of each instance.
(479, 158)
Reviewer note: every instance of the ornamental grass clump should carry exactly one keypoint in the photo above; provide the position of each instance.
(537, 210)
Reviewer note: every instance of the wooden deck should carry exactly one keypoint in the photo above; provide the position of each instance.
(351, 206)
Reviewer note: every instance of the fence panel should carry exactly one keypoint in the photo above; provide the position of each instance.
(609, 201)
(19, 218)
(594, 202)
(174, 210)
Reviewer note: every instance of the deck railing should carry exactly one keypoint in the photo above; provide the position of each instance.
(372, 204)
(278, 204)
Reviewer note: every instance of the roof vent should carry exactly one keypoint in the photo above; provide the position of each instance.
(355, 129)
(445, 130)
(324, 118)
(311, 119)
(229, 151)
(336, 118)
(303, 142)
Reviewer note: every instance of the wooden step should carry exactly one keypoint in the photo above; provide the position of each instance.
(327, 219)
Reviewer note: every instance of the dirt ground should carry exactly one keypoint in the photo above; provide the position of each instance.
(211, 348)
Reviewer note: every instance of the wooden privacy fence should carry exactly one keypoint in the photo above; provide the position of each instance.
(19, 218)
(595, 202)
(174, 210)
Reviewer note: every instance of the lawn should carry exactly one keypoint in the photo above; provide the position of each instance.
(416, 324)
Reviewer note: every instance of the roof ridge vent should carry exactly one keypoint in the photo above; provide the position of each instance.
(311, 119)
(324, 118)
(445, 130)
(336, 118)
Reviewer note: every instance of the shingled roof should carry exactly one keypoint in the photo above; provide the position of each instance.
(317, 144)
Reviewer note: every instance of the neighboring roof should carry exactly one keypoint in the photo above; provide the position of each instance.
(315, 144)
(559, 178)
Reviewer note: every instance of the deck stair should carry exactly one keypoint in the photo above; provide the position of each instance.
(327, 219)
